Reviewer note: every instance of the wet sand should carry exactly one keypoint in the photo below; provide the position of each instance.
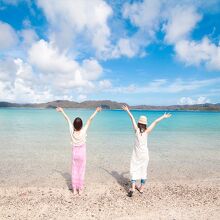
(173, 200)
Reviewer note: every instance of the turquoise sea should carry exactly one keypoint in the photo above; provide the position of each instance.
(35, 147)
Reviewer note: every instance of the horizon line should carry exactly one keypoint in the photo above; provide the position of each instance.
(103, 100)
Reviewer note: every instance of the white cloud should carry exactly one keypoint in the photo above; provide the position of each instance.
(8, 37)
(165, 86)
(23, 86)
(18, 83)
(181, 20)
(91, 69)
(190, 101)
(129, 47)
(82, 97)
(180, 85)
(177, 20)
(145, 15)
(105, 84)
(196, 53)
(24, 70)
(48, 74)
(47, 58)
(125, 48)
(59, 69)
(79, 18)
(28, 36)
(80, 27)
(7, 70)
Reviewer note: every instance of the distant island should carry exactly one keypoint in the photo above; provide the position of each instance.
(107, 104)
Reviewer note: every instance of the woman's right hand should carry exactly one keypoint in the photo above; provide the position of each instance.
(98, 109)
(59, 109)
(167, 115)
(125, 107)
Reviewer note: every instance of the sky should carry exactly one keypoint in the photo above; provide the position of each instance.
(139, 52)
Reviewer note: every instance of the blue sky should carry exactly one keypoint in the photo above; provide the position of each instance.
(140, 52)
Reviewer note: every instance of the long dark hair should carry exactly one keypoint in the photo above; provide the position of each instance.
(142, 127)
(77, 124)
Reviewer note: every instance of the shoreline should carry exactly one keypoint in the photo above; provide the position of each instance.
(174, 200)
(150, 110)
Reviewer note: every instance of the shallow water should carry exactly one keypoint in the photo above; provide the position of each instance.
(35, 147)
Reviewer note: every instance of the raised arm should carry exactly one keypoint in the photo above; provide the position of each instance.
(151, 127)
(59, 109)
(98, 109)
(125, 108)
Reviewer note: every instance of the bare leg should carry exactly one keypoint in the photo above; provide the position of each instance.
(74, 191)
(141, 188)
(80, 191)
(132, 189)
(133, 186)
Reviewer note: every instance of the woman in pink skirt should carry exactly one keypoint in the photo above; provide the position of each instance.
(78, 134)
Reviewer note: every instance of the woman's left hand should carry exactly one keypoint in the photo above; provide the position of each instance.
(125, 107)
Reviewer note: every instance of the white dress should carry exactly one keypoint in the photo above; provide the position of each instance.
(140, 157)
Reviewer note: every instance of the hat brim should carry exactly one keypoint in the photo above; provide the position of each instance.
(143, 123)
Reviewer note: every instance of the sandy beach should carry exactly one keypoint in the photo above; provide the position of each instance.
(101, 95)
(183, 173)
(159, 201)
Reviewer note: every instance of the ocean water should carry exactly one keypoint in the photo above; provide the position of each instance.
(35, 147)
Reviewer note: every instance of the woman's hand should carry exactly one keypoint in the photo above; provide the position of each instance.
(125, 107)
(59, 109)
(167, 115)
(98, 109)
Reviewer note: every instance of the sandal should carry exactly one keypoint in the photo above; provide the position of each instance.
(138, 189)
(130, 193)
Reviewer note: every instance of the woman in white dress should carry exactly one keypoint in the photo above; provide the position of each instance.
(140, 157)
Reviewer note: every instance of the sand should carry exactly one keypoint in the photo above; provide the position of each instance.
(170, 200)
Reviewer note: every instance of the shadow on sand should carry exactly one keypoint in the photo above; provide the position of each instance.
(67, 178)
(120, 177)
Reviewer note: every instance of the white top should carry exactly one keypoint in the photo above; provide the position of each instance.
(78, 137)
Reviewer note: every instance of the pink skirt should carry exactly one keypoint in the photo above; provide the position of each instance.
(78, 166)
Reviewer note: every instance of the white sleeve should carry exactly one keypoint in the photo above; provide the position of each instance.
(85, 128)
(70, 129)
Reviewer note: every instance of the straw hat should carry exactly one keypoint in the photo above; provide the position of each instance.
(143, 120)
